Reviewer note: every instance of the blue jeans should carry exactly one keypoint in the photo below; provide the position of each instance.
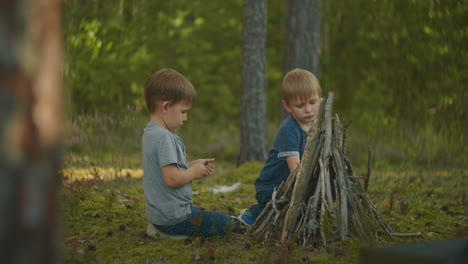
(263, 198)
(200, 223)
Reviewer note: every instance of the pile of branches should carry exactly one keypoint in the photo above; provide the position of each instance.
(322, 200)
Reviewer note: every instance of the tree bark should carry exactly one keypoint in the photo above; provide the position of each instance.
(302, 38)
(253, 125)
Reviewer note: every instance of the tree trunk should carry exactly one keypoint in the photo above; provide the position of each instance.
(31, 118)
(253, 126)
(302, 38)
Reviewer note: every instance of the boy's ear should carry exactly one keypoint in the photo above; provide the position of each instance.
(165, 106)
(286, 105)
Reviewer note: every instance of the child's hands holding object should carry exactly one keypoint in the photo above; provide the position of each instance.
(204, 166)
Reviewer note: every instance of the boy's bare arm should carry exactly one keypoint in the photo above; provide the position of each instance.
(176, 178)
(293, 162)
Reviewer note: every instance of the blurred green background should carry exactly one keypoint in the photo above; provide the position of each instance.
(398, 69)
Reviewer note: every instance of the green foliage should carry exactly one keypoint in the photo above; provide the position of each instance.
(397, 69)
(109, 58)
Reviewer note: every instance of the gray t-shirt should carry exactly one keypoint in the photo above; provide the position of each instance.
(164, 205)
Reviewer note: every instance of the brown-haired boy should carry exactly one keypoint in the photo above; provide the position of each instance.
(168, 176)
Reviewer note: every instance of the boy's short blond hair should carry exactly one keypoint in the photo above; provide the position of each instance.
(168, 85)
(300, 83)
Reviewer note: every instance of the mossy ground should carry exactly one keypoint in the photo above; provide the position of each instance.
(104, 218)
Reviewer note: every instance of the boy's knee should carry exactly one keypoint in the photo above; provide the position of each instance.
(263, 197)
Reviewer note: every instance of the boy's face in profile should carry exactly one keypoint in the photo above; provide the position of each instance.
(304, 110)
(175, 114)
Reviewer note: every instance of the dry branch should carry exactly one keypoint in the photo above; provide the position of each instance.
(369, 156)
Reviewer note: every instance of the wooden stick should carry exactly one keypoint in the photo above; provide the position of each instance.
(382, 222)
(345, 132)
(328, 130)
(366, 182)
(326, 151)
(275, 208)
(264, 224)
(312, 224)
(323, 201)
(343, 195)
(260, 217)
(407, 234)
(337, 134)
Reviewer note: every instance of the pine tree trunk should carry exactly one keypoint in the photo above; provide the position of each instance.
(302, 47)
(302, 38)
(253, 126)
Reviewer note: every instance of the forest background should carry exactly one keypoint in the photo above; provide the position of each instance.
(399, 71)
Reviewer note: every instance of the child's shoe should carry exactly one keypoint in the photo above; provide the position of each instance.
(153, 232)
(247, 216)
(237, 225)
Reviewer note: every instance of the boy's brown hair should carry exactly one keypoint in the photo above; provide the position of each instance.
(168, 85)
(299, 83)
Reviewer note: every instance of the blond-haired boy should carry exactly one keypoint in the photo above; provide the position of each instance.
(302, 95)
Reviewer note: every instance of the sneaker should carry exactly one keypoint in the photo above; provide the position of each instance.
(247, 217)
(237, 225)
(153, 232)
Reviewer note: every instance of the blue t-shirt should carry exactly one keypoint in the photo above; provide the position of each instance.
(290, 140)
(164, 205)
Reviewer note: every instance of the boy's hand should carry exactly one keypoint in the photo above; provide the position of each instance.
(203, 161)
(209, 163)
(203, 166)
(201, 171)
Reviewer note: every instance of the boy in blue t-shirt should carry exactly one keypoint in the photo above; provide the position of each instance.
(168, 175)
(301, 98)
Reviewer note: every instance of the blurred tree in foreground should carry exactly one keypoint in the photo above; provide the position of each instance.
(31, 124)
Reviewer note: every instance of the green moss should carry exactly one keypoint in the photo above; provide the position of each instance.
(106, 222)
(245, 173)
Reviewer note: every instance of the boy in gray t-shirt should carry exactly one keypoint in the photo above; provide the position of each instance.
(168, 176)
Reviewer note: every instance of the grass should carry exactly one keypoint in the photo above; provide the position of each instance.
(103, 215)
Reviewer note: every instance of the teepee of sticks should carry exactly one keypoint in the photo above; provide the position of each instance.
(322, 200)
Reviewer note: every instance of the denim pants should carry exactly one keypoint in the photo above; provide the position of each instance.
(262, 198)
(200, 223)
